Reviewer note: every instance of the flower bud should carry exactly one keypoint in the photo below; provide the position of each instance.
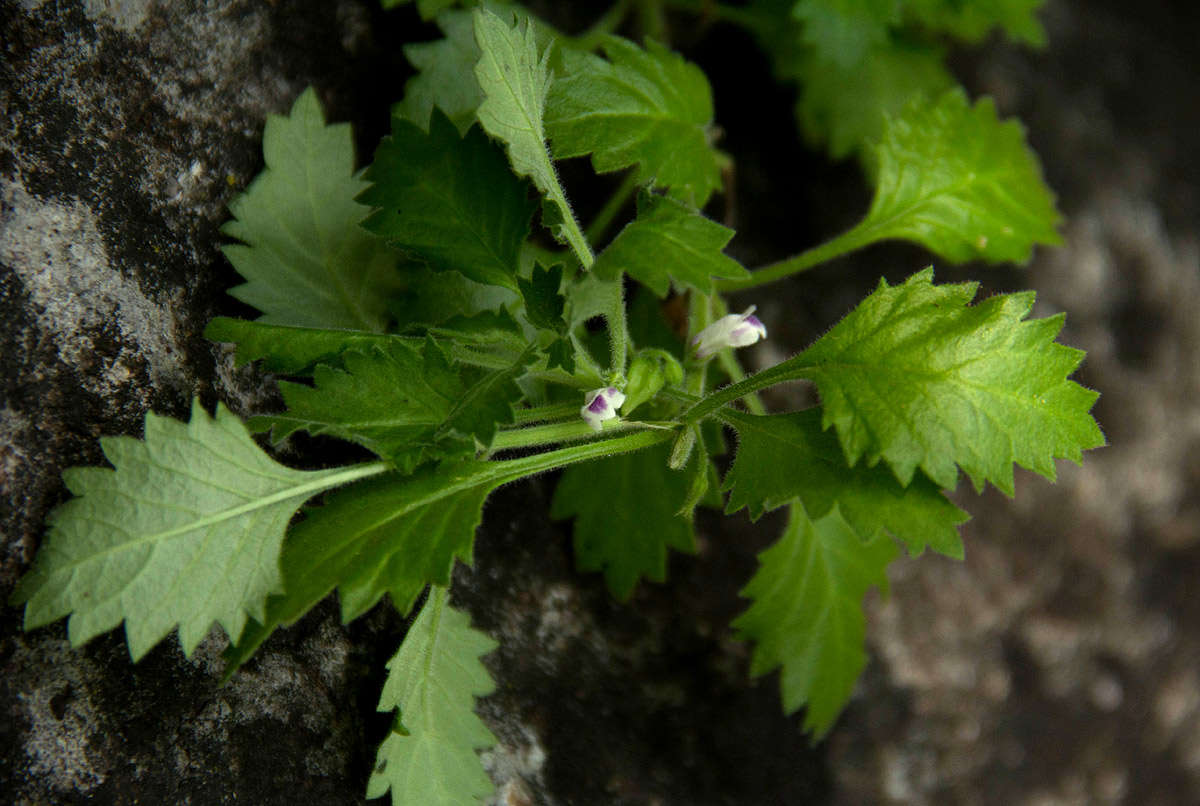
(734, 330)
(601, 405)
(650, 370)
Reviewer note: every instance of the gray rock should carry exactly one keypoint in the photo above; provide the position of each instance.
(130, 125)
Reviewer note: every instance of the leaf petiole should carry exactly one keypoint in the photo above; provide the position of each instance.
(850, 241)
(540, 414)
(607, 24)
(789, 370)
(553, 433)
(620, 197)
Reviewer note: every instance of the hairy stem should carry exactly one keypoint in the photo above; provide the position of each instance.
(571, 231)
(785, 371)
(618, 327)
(607, 24)
(540, 414)
(849, 241)
(733, 368)
(615, 203)
(513, 469)
(553, 433)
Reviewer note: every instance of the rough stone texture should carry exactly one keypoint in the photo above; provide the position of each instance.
(1057, 665)
(128, 127)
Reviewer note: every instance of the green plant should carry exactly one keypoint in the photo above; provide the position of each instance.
(425, 318)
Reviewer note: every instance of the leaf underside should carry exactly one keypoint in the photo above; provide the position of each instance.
(184, 532)
(431, 758)
(806, 617)
(306, 260)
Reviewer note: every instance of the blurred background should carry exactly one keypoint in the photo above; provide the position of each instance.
(1060, 664)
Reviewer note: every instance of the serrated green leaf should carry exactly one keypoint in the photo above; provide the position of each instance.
(406, 405)
(298, 350)
(391, 399)
(396, 534)
(974, 20)
(561, 353)
(432, 684)
(452, 202)
(625, 517)
(544, 305)
(306, 260)
(843, 31)
(484, 329)
(184, 532)
(806, 617)
(648, 108)
(782, 457)
(431, 298)
(487, 402)
(844, 108)
(918, 377)
(957, 180)
(446, 68)
(513, 74)
(669, 240)
(446, 77)
(291, 350)
(390, 535)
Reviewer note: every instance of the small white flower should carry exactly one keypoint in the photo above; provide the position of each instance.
(601, 405)
(734, 330)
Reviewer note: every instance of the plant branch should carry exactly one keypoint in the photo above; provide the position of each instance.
(849, 241)
(539, 414)
(607, 24)
(615, 203)
(535, 436)
(785, 371)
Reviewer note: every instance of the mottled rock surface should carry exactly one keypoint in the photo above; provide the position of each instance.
(1057, 665)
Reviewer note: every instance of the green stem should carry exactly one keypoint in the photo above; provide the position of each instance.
(553, 433)
(574, 235)
(538, 414)
(614, 309)
(784, 371)
(607, 24)
(513, 469)
(733, 368)
(844, 244)
(699, 317)
(654, 23)
(615, 203)
(618, 327)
